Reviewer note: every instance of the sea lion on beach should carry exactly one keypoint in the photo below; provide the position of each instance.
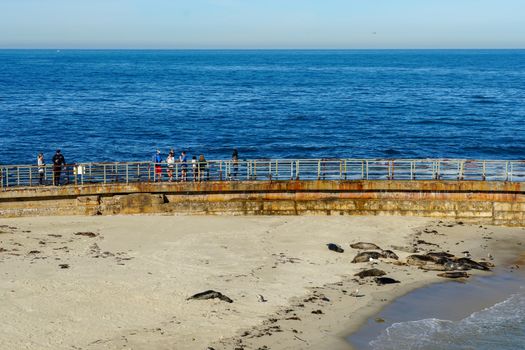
(406, 249)
(419, 260)
(440, 255)
(210, 294)
(335, 247)
(433, 267)
(366, 256)
(385, 280)
(370, 273)
(364, 245)
(466, 262)
(388, 254)
(455, 274)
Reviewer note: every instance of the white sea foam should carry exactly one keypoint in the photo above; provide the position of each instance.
(501, 326)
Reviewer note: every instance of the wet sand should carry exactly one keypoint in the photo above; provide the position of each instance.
(451, 300)
(124, 282)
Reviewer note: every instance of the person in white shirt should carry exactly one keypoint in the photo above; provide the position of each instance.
(171, 164)
(194, 168)
(41, 169)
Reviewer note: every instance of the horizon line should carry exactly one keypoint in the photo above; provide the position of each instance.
(255, 49)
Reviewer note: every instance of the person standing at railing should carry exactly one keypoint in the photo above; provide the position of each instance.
(235, 162)
(157, 159)
(183, 166)
(58, 162)
(170, 160)
(41, 164)
(203, 168)
(194, 168)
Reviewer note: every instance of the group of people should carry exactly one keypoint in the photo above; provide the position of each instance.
(199, 170)
(199, 167)
(58, 162)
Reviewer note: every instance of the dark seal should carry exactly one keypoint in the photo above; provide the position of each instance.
(385, 280)
(370, 273)
(210, 294)
(335, 248)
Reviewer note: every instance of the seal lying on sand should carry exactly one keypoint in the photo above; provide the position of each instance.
(370, 273)
(455, 274)
(366, 256)
(336, 248)
(364, 245)
(444, 262)
(389, 254)
(419, 259)
(439, 256)
(385, 280)
(466, 262)
(210, 294)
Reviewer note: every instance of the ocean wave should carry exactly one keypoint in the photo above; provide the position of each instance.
(501, 326)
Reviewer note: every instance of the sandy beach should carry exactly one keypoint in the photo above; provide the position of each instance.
(123, 281)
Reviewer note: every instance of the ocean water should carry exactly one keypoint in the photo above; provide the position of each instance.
(122, 105)
(501, 326)
(485, 313)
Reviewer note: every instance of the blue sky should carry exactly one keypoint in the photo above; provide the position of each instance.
(262, 24)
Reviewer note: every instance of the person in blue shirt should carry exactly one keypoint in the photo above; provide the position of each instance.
(157, 159)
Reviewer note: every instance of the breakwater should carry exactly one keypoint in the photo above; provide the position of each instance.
(489, 202)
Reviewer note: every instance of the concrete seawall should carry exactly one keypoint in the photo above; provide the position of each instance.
(499, 203)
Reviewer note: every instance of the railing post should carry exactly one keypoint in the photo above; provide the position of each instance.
(484, 171)
(30, 176)
(362, 169)
(367, 169)
(291, 170)
(297, 170)
(18, 176)
(318, 169)
(104, 167)
(346, 169)
(511, 171)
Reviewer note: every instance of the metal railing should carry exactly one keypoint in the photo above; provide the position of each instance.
(265, 169)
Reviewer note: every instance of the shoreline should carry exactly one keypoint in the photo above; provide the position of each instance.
(341, 327)
(444, 300)
(127, 278)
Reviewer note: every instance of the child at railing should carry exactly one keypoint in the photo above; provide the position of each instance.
(183, 166)
(41, 164)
